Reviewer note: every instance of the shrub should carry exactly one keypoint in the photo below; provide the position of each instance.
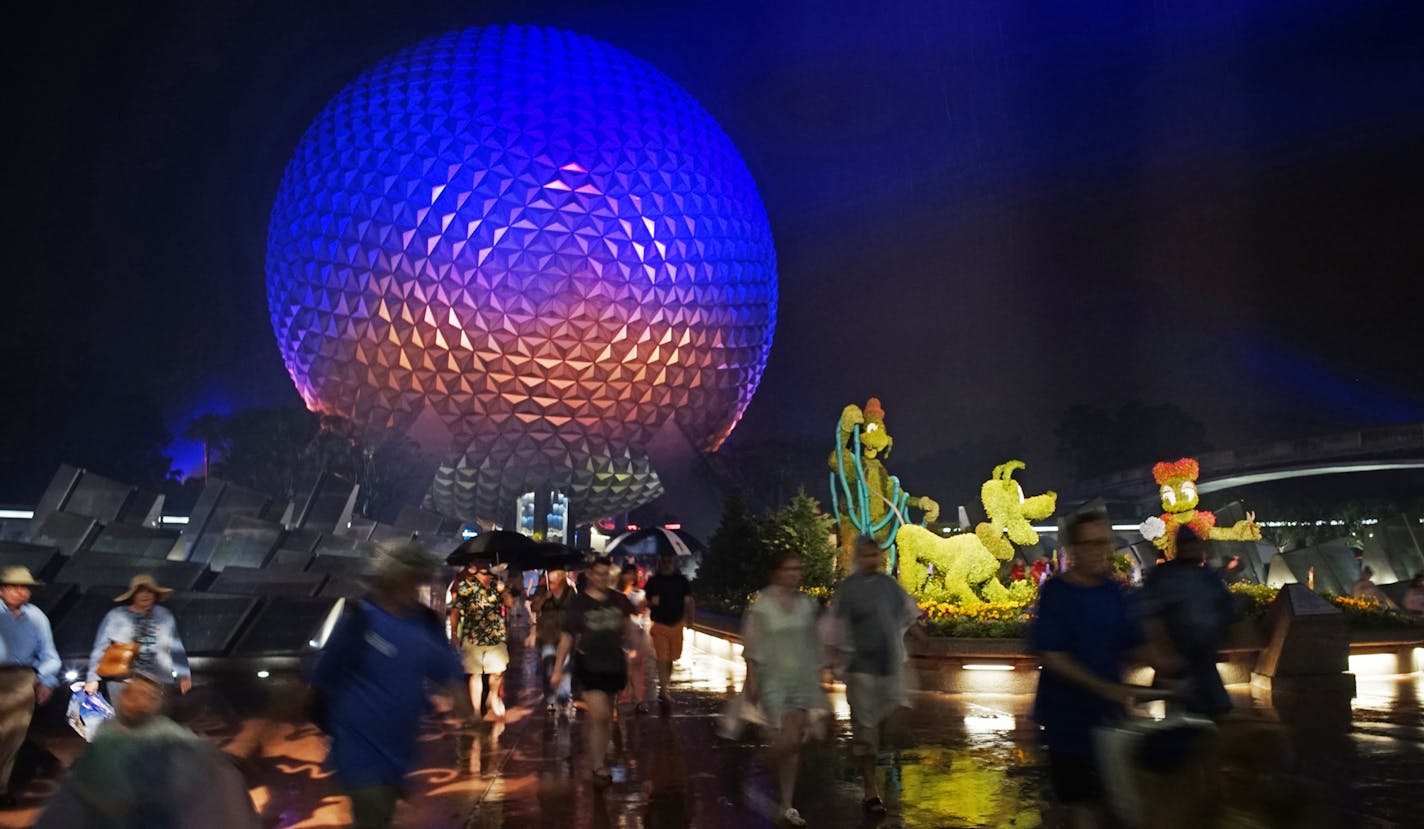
(1257, 597)
(741, 550)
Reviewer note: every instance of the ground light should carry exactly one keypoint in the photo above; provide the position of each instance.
(988, 724)
(1386, 664)
(985, 666)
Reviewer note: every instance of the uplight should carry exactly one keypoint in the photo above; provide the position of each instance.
(978, 724)
(262, 674)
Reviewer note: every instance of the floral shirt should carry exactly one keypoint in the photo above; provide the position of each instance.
(479, 611)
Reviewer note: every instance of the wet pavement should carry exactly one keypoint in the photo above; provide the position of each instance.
(967, 761)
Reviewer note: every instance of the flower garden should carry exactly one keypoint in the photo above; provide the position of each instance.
(988, 620)
(1009, 620)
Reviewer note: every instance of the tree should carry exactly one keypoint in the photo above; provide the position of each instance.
(208, 430)
(734, 563)
(385, 464)
(801, 526)
(267, 449)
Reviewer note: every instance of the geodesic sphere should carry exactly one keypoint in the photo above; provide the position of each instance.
(540, 239)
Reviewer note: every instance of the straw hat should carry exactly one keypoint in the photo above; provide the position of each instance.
(143, 581)
(20, 577)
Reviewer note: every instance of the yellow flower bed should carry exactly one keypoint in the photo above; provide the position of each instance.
(987, 620)
(1358, 612)
(1369, 613)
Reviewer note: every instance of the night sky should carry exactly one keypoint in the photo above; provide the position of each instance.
(984, 212)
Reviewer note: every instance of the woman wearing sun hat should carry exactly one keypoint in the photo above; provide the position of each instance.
(143, 622)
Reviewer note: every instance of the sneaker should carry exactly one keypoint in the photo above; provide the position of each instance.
(640, 708)
(551, 710)
(602, 778)
(569, 711)
(873, 806)
(791, 817)
(664, 705)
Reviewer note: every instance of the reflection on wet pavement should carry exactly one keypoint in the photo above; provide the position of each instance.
(962, 761)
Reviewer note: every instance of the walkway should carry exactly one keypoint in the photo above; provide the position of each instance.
(972, 764)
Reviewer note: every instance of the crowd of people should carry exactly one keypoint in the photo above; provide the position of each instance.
(612, 639)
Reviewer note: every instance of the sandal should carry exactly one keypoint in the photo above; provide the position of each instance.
(873, 806)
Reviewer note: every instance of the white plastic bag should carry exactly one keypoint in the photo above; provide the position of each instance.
(736, 716)
(87, 711)
(1118, 746)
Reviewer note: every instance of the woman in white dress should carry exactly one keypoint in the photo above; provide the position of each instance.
(784, 660)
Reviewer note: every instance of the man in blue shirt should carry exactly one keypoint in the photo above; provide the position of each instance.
(373, 674)
(1084, 633)
(29, 666)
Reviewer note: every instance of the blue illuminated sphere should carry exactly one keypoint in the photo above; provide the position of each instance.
(534, 246)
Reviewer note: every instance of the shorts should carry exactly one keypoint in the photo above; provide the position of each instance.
(872, 699)
(1074, 777)
(607, 682)
(484, 659)
(777, 701)
(667, 641)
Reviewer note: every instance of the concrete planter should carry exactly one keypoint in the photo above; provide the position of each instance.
(975, 665)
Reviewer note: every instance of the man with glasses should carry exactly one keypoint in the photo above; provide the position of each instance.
(477, 604)
(1083, 633)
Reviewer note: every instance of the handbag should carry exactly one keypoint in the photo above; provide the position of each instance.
(117, 661)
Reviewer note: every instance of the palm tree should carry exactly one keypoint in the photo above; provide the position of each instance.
(207, 428)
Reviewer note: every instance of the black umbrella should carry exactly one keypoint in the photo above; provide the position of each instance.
(555, 556)
(516, 550)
